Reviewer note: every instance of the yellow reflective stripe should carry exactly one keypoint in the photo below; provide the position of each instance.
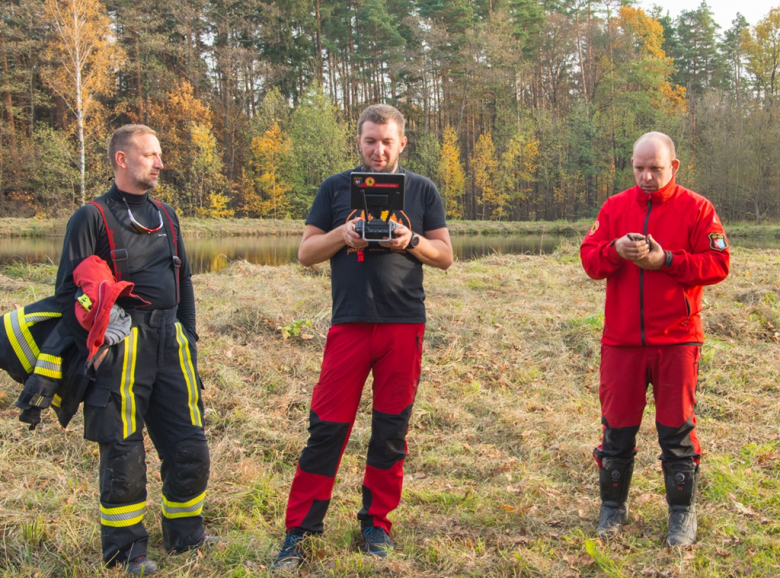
(33, 318)
(126, 385)
(188, 370)
(46, 372)
(122, 516)
(50, 358)
(122, 509)
(49, 366)
(23, 325)
(21, 346)
(56, 400)
(122, 523)
(187, 509)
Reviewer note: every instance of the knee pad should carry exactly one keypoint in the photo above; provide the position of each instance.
(388, 438)
(122, 472)
(618, 442)
(323, 450)
(190, 473)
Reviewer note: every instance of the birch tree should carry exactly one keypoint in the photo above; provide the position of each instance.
(83, 58)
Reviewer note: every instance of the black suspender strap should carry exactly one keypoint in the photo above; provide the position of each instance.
(115, 241)
(118, 250)
(172, 243)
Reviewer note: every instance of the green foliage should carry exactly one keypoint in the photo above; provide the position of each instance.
(322, 144)
(52, 170)
(426, 155)
(582, 80)
(208, 183)
(294, 328)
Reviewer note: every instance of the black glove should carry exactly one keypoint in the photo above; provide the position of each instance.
(31, 415)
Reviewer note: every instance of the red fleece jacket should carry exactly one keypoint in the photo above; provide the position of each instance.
(662, 307)
(101, 290)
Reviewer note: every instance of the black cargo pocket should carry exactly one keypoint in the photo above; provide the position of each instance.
(102, 419)
(99, 382)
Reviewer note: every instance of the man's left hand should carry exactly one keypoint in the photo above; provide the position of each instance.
(401, 237)
(654, 259)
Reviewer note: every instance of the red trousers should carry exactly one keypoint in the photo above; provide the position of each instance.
(392, 352)
(626, 373)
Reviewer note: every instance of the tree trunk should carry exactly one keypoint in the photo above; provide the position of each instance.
(9, 111)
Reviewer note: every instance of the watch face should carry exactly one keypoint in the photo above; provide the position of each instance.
(414, 241)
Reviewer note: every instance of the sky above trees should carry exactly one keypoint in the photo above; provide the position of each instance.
(723, 11)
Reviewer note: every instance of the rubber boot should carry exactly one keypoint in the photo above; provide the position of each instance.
(614, 481)
(682, 481)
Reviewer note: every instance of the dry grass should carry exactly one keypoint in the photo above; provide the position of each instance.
(499, 481)
(197, 227)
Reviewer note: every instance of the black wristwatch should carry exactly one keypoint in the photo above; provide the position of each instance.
(414, 241)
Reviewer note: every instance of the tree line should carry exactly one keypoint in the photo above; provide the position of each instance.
(517, 109)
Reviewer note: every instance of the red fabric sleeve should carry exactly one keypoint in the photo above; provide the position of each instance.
(708, 263)
(599, 257)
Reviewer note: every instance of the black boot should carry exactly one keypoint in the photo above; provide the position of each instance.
(614, 481)
(682, 481)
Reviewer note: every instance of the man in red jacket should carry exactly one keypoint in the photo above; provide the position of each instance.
(657, 244)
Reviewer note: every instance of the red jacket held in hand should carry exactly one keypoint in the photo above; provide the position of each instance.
(661, 307)
(100, 292)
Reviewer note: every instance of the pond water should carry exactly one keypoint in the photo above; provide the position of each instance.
(215, 253)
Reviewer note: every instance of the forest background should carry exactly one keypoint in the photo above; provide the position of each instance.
(518, 109)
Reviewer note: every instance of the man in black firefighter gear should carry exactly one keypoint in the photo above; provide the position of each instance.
(149, 378)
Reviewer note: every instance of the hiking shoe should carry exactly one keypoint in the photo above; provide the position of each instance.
(291, 554)
(377, 541)
(682, 526)
(611, 520)
(141, 566)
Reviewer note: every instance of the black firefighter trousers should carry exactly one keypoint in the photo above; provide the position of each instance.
(150, 378)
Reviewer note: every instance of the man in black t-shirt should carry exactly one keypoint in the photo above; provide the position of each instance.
(377, 326)
(150, 377)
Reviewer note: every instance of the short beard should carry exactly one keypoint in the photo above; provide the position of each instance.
(366, 168)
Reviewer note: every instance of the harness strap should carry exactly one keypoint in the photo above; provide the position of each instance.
(118, 250)
(115, 241)
(172, 242)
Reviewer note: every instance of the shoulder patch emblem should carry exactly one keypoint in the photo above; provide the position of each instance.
(594, 228)
(718, 241)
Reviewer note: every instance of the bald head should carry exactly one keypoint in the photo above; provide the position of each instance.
(654, 161)
(657, 138)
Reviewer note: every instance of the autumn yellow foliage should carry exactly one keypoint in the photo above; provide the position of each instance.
(271, 152)
(452, 178)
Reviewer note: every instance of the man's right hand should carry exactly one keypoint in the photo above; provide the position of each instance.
(632, 246)
(351, 238)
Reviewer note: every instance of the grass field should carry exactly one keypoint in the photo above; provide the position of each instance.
(194, 227)
(499, 481)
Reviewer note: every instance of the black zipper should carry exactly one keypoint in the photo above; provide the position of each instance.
(642, 280)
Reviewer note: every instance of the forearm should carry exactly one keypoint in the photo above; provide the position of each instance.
(600, 260)
(698, 268)
(316, 248)
(434, 252)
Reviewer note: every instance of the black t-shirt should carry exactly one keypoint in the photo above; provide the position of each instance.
(387, 286)
(149, 257)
